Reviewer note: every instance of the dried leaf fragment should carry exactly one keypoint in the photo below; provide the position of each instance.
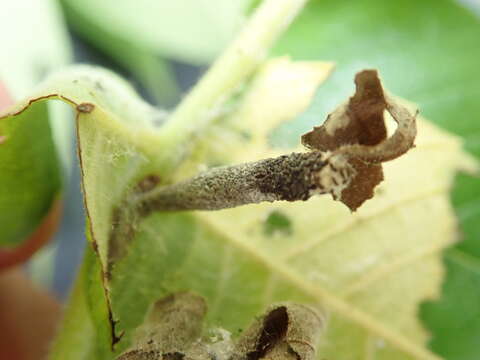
(173, 331)
(355, 139)
(170, 330)
(287, 331)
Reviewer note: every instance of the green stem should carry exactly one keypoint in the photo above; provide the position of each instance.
(230, 70)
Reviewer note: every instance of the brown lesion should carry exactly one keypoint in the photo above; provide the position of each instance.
(85, 108)
(125, 219)
(274, 329)
(148, 183)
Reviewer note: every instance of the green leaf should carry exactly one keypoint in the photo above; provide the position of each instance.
(455, 318)
(27, 158)
(423, 49)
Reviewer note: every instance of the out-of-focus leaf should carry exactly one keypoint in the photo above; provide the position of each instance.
(35, 146)
(455, 318)
(24, 309)
(354, 265)
(77, 330)
(33, 42)
(25, 60)
(424, 50)
(141, 34)
(147, 66)
(188, 30)
(5, 98)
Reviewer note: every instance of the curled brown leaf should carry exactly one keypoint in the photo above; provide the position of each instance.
(286, 331)
(354, 139)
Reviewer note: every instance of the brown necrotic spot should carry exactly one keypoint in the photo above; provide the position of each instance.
(124, 221)
(85, 108)
(275, 326)
(148, 183)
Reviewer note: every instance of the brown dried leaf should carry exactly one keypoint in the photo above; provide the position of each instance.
(355, 137)
(359, 121)
(287, 331)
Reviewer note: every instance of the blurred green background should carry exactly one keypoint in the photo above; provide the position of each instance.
(427, 51)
